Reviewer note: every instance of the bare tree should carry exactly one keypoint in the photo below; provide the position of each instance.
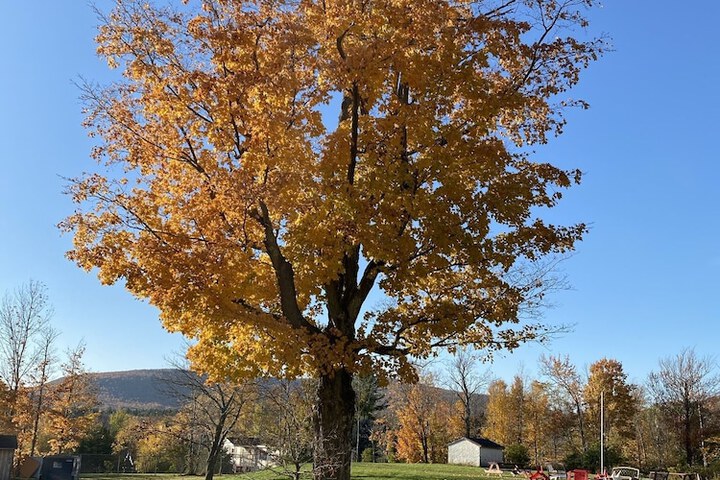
(465, 380)
(24, 315)
(40, 377)
(287, 428)
(567, 381)
(214, 409)
(682, 388)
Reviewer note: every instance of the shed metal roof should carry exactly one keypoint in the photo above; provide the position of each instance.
(483, 442)
(8, 442)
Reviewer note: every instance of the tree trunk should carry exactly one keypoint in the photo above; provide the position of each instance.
(215, 454)
(334, 412)
(468, 416)
(687, 433)
(36, 419)
(424, 442)
(211, 465)
(581, 424)
(357, 440)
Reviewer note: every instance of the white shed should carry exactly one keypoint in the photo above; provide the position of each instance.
(475, 451)
(8, 444)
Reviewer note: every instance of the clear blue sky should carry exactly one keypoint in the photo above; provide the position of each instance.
(646, 281)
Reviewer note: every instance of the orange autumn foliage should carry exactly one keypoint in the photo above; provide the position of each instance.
(426, 423)
(259, 230)
(286, 244)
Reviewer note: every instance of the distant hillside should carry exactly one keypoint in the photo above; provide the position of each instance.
(139, 390)
(152, 390)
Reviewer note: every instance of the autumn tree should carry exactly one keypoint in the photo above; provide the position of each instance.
(5, 407)
(383, 438)
(211, 410)
(285, 424)
(425, 422)
(25, 315)
(41, 375)
(506, 411)
(682, 388)
(537, 421)
(162, 447)
(653, 441)
(498, 422)
(560, 428)
(127, 431)
(466, 381)
(26, 361)
(73, 409)
(563, 375)
(607, 377)
(518, 408)
(260, 231)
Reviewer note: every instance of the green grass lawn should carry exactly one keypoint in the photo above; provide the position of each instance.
(360, 471)
(389, 471)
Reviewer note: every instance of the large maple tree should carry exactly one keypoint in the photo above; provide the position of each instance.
(260, 230)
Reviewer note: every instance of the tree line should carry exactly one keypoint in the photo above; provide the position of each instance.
(48, 417)
(671, 420)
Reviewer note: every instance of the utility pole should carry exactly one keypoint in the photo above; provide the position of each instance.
(602, 433)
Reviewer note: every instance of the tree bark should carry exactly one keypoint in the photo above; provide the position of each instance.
(687, 427)
(334, 411)
(216, 446)
(424, 442)
(581, 424)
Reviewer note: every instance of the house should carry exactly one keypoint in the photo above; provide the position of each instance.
(475, 451)
(8, 444)
(247, 454)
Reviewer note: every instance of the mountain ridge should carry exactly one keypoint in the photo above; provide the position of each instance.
(145, 390)
(163, 390)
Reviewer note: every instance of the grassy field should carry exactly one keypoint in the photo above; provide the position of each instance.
(390, 471)
(360, 471)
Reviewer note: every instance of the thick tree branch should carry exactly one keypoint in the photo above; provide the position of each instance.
(283, 272)
(367, 282)
(354, 132)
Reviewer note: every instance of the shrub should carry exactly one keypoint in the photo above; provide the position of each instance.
(517, 455)
(367, 455)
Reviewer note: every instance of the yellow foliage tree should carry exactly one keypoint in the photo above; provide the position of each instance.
(21, 404)
(538, 416)
(607, 377)
(161, 449)
(569, 387)
(6, 408)
(426, 424)
(506, 412)
(259, 230)
(73, 409)
(498, 419)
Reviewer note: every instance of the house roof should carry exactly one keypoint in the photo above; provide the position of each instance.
(8, 442)
(483, 442)
(244, 441)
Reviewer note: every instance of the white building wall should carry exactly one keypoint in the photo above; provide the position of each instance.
(464, 452)
(6, 461)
